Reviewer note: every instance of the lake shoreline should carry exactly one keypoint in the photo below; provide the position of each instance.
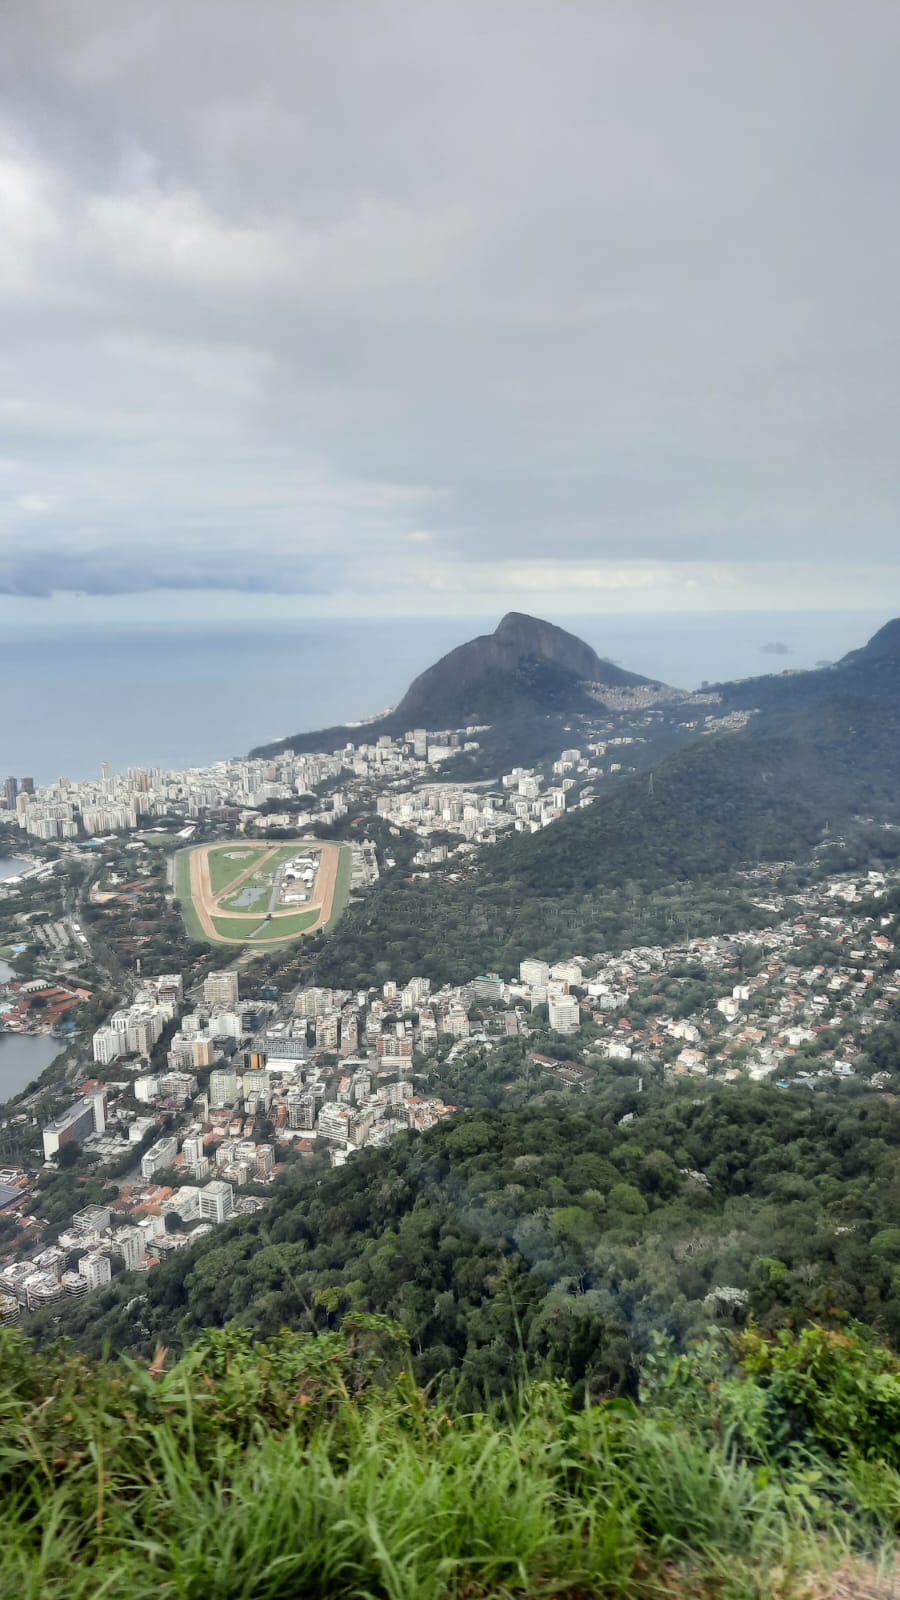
(24, 1059)
(13, 867)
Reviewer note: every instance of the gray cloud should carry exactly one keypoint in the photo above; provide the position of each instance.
(309, 297)
(117, 571)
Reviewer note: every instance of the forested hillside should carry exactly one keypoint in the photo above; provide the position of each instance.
(641, 866)
(729, 801)
(871, 673)
(557, 1238)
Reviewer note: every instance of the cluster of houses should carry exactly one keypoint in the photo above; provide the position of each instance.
(206, 1121)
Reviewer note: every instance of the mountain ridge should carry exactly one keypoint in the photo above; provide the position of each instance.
(524, 658)
(869, 673)
(530, 671)
(526, 665)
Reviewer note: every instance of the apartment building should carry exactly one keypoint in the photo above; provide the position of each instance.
(220, 990)
(159, 1156)
(217, 1200)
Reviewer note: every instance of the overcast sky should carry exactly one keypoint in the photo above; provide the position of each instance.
(449, 307)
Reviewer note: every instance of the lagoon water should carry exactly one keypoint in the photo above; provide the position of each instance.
(172, 696)
(23, 1056)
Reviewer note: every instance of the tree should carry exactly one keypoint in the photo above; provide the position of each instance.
(628, 1201)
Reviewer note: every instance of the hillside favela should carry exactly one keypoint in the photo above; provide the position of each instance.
(449, 1150)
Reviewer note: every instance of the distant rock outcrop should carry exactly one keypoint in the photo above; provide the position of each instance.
(525, 661)
(525, 667)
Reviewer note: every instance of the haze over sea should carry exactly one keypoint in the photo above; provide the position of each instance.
(191, 693)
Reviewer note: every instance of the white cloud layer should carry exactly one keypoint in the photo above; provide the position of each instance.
(461, 303)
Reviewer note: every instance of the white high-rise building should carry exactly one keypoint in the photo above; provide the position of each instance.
(568, 971)
(226, 1024)
(334, 1121)
(185, 1202)
(95, 1269)
(220, 989)
(217, 1200)
(92, 1219)
(564, 1013)
(160, 1155)
(256, 1081)
(223, 1087)
(534, 972)
(107, 1045)
(130, 1244)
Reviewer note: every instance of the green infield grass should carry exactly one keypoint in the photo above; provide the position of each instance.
(280, 928)
(228, 861)
(262, 881)
(286, 926)
(236, 927)
(264, 877)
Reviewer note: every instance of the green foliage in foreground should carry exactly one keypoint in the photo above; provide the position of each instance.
(313, 1466)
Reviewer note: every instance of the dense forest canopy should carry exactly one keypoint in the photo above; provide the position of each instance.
(560, 1236)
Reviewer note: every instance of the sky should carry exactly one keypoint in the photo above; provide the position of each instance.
(321, 308)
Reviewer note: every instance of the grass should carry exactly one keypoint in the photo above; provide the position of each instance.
(312, 1467)
(261, 880)
(183, 893)
(290, 923)
(223, 870)
(281, 927)
(237, 927)
(342, 884)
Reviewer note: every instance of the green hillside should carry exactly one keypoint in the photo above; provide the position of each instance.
(636, 864)
(555, 1238)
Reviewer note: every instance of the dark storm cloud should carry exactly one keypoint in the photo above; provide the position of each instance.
(342, 296)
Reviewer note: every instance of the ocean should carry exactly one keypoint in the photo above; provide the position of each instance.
(188, 694)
